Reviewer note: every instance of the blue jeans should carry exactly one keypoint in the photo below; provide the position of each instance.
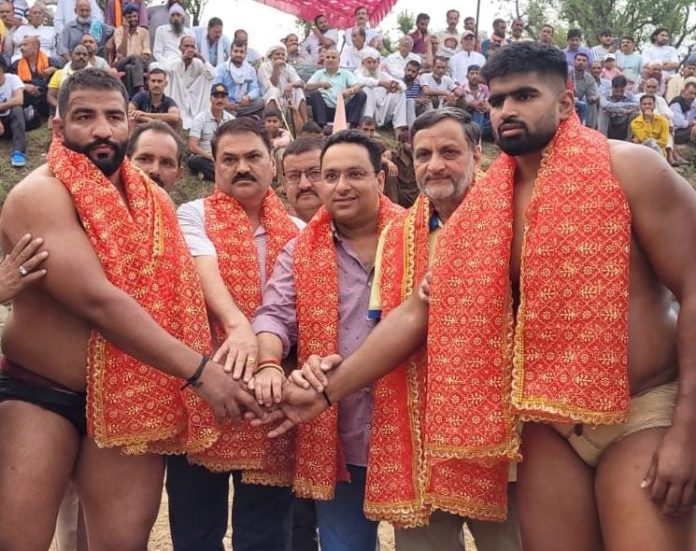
(581, 109)
(484, 121)
(342, 523)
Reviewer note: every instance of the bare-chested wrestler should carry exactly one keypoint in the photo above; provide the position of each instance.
(550, 301)
(117, 273)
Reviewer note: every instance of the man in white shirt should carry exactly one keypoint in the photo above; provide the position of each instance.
(441, 88)
(65, 13)
(35, 27)
(351, 56)
(321, 36)
(385, 94)
(190, 78)
(661, 52)
(362, 21)
(467, 56)
(168, 37)
(12, 124)
(211, 42)
(395, 63)
(451, 30)
(281, 86)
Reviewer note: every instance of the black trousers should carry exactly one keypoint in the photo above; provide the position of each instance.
(198, 163)
(323, 114)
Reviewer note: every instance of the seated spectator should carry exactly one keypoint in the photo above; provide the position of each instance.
(441, 89)
(651, 87)
(416, 100)
(252, 56)
(115, 7)
(351, 55)
(65, 13)
(448, 49)
(585, 88)
(190, 78)
(616, 110)
(35, 69)
(395, 63)
(311, 129)
(132, 46)
(326, 84)
(649, 128)
(403, 159)
(574, 46)
(240, 79)
(320, 36)
(294, 57)
(476, 95)
(652, 70)
(280, 137)
(467, 56)
(152, 105)
(386, 101)
(12, 114)
(84, 24)
(684, 115)
(282, 87)
(158, 16)
(12, 24)
(368, 126)
(609, 68)
(35, 27)
(202, 131)
(94, 61)
(159, 151)
(676, 83)
(168, 37)
(79, 59)
(212, 44)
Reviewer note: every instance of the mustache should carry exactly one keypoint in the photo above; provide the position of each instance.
(512, 123)
(97, 143)
(243, 176)
(307, 192)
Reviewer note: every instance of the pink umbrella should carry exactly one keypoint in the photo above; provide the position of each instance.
(339, 13)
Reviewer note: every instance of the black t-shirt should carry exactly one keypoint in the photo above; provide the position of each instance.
(142, 101)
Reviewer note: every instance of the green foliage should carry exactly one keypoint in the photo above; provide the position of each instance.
(405, 21)
(195, 8)
(303, 27)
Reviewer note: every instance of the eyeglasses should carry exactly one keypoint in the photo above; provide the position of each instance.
(312, 174)
(332, 177)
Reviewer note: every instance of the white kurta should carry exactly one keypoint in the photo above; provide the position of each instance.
(166, 48)
(189, 87)
(288, 75)
(382, 105)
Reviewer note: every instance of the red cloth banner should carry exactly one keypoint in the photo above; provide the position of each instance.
(339, 13)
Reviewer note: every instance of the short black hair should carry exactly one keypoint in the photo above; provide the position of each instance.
(619, 81)
(629, 38)
(159, 127)
(3, 64)
(356, 10)
(311, 126)
(497, 21)
(414, 63)
(158, 71)
(452, 11)
(606, 32)
(366, 119)
(574, 33)
(317, 17)
(648, 96)
(214, 22)
(549, 26)
(581, 54)
(526, 57)
(421, 17)
(271, 112)
(238, 44)
(358, 138)
(240, 126)
(473, 68)
(303, 144)
(472, 131)
(90, 79)
(653, 36)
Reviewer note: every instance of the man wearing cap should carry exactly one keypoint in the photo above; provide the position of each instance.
(168, 37)
(240, 78)
(606, 47)
(386, 100)
(467, 56)
(190, 79)
(282, 86)
(202, 131)
(132, 45)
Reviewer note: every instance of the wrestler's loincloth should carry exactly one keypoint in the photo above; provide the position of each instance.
(651, 409)
(17, 383)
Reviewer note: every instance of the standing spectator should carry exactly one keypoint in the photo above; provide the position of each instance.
(684, 115)
(159, 151)
(395, 63)
(212, 44)
(362, 21)
(168, 37)
(35, 69)
(244, 94)
(280, 138)
(609, 68)
(467, 56)
(585, 89)
(546, 34)
(282, 86)
(606, 47)
(421, 37)
(517, 31)
(351, 54)
(190, 78)
(84, 24)
(294, 57)
(12, 115)
(65, 13)
(386, 101)
(416, 100)
(320, 36)
(676, 83)
(152, 105)
(616, 110)
(326, 84)
(649, 128)
(660, 51)
(95, 61)
(35, 27)
(159, 16)
(132, 45)
(252, 56)
(12, 24)
(574, 46)
(451, 30)
(438, 86)
(202, 131)
(632, 61)
(476, 95)
(115, 7)
(498, 37)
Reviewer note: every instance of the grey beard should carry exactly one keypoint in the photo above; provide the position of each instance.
(178, 28)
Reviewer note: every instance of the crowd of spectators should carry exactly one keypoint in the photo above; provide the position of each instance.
(196, 78)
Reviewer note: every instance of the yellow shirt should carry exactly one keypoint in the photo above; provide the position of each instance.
(657, 129)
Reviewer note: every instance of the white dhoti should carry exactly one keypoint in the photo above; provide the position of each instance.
(189, 87)
(282, 101)
(386, 106)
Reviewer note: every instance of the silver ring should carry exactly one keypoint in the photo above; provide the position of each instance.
(23, 271)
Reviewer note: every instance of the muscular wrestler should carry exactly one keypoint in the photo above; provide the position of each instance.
(592, 235)
(106, 225)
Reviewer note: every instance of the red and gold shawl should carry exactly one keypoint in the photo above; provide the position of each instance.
(564, 358)
(229, 228)
(319, 462)
(142, 252)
